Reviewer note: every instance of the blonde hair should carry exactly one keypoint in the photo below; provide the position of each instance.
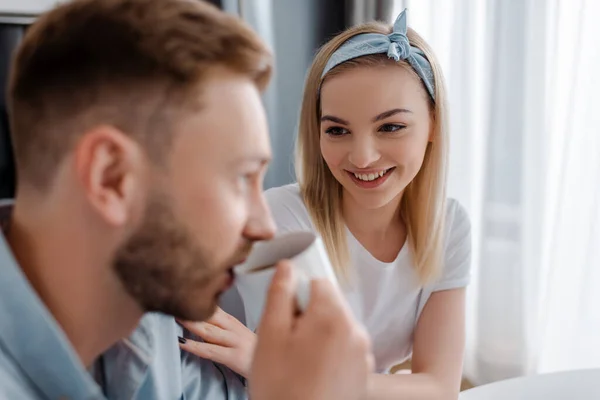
(423, 205)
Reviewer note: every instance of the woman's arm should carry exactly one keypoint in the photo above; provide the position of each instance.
(437, 354)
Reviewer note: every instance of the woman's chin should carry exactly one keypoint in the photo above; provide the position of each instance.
(374, 201)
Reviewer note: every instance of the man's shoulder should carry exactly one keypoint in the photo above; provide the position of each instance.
(13, 385)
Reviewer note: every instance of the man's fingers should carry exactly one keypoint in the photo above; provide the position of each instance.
(280, 304)
(325, 297)
(371, 362)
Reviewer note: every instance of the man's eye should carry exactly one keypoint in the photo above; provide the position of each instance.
(247, 178)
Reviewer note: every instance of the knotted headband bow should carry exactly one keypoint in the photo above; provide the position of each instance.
(395, 45)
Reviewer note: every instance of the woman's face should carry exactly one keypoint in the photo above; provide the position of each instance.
(375, 127)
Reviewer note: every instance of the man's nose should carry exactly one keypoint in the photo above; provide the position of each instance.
(261, 225)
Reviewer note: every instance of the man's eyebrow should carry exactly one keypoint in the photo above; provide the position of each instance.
(258, 159)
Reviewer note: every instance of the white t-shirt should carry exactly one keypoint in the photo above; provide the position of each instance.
(386, 297)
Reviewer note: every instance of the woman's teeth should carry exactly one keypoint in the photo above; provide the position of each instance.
(371, 176)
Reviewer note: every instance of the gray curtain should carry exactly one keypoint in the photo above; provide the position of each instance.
(294, 30)
(359, 11)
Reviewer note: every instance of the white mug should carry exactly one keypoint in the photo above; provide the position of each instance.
(309, 260)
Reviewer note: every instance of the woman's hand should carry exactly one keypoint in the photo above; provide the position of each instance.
(226, 341)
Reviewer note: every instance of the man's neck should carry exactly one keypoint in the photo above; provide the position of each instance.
(72, 276)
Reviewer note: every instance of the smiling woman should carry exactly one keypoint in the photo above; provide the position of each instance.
(371, 161)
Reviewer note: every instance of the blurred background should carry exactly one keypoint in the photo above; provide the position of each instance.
(525, 154)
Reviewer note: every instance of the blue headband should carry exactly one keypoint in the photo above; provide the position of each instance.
(396, 45)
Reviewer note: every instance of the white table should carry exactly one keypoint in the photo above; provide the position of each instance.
(571, 385)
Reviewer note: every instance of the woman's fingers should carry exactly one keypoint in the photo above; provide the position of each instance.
(224, 320)
(221, 319)
(225, 340)
(236, 359)
(210, 333)
(209, 351)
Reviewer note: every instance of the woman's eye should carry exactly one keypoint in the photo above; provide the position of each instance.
(391, 128)
(336, 131)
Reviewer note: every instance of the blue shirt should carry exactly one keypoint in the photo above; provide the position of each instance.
(37, 360)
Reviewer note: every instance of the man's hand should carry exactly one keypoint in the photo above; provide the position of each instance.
(320, 354)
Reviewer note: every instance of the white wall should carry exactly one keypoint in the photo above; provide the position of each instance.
(25, 6)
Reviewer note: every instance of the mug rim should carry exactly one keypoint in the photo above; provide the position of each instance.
(308, 236)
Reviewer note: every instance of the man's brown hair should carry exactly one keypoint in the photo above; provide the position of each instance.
(132, 64)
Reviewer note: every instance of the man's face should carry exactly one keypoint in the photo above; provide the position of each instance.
(203, 214)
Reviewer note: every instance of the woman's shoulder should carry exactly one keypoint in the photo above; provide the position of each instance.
(287, 196)
(458, 233)
(458, 243)
(457, 218)
(288, 208)
(283, 193)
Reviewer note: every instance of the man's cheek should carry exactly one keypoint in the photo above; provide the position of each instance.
(231, 218)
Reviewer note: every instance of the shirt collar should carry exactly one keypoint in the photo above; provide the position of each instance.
(127, 363)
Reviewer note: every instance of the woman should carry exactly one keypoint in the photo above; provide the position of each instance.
(371, 162)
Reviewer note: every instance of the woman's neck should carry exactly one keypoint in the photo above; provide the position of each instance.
(377, 222)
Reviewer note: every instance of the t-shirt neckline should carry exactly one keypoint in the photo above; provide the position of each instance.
(371, 258)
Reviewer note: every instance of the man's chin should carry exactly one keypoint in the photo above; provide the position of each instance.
(196, 313)
(189, 302)
(188, 308)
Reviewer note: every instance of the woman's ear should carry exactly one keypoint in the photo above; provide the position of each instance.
(432, 127)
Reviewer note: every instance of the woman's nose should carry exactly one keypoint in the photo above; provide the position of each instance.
(364, 153)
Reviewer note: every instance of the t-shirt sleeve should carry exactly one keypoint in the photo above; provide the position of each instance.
(457, 256)
(287, 209)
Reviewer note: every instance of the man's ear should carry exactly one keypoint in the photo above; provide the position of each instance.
(110, 168)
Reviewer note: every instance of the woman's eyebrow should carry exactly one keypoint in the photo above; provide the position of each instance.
(387, 114)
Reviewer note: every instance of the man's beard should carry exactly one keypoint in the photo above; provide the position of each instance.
(164, 269)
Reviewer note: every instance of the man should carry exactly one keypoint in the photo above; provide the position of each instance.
(141, 143)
